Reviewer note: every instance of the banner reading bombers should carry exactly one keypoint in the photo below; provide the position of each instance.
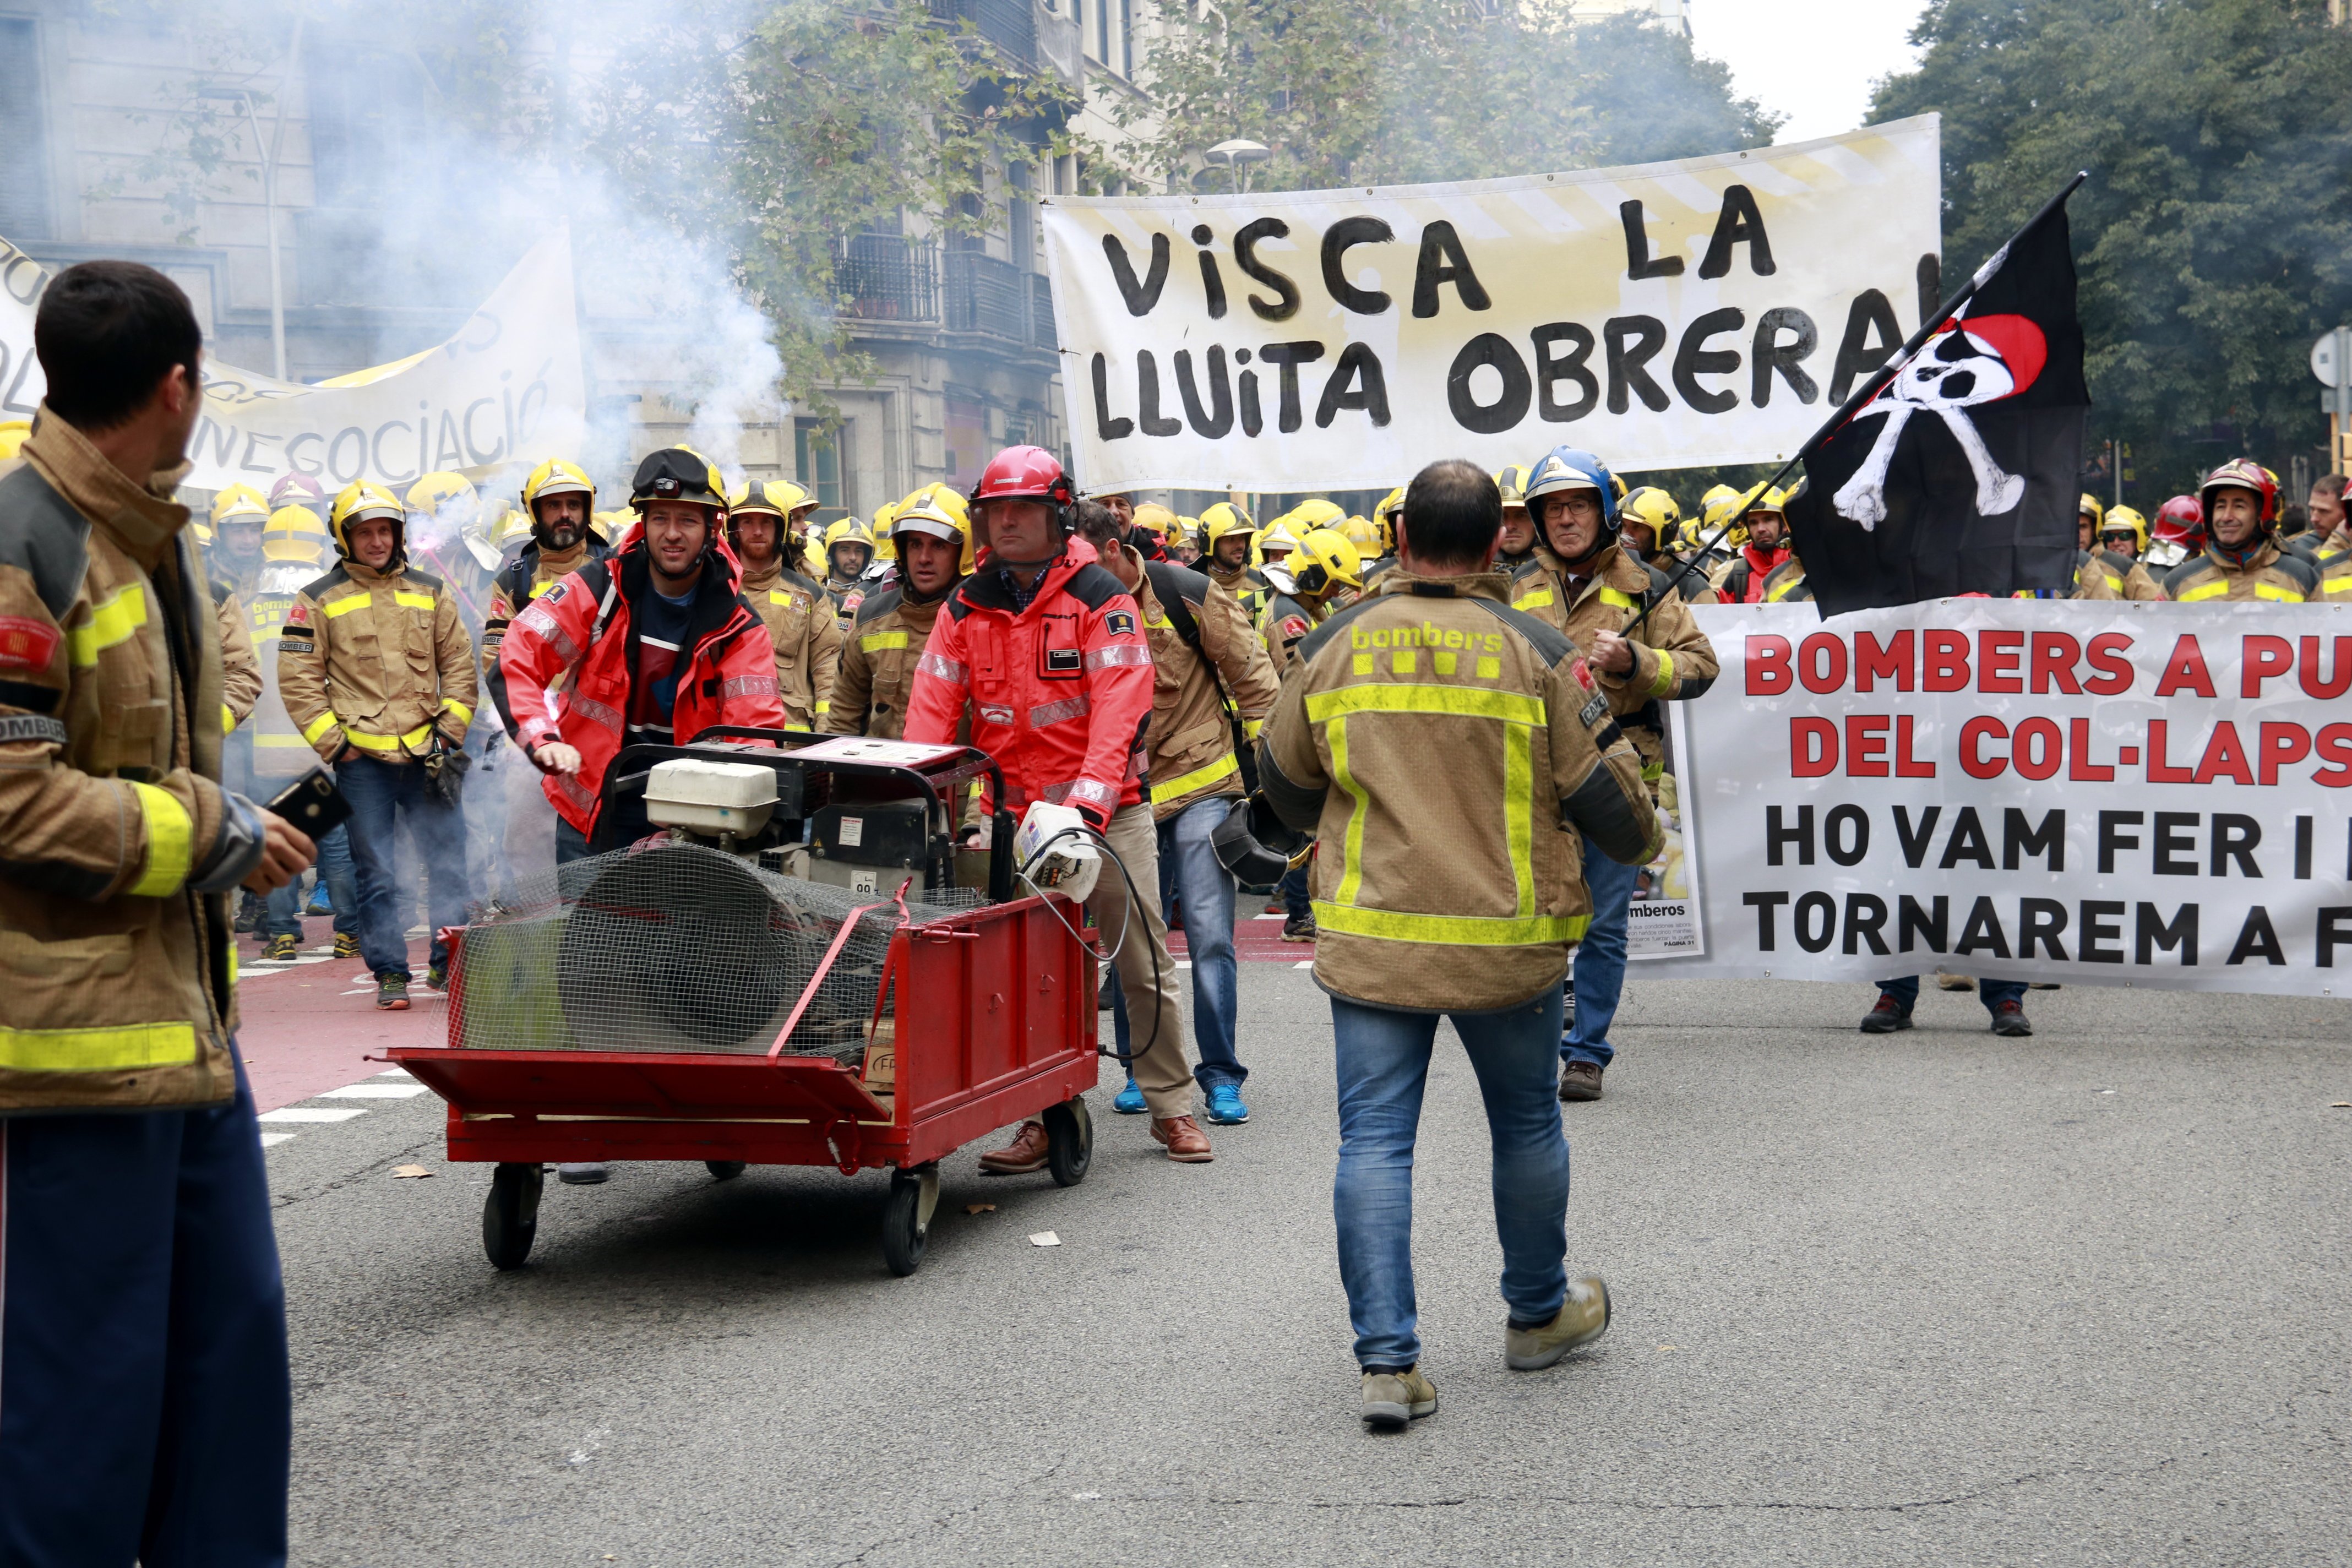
(2098, 793)
(1669, 315)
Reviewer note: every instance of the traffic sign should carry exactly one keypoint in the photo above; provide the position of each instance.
(2328, 357)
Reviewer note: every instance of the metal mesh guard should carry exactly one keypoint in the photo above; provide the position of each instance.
(670, 946)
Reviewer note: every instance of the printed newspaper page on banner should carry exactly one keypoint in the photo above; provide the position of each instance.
(509, 385)
(2108, 794)
(1670, 315)
(1663, 919)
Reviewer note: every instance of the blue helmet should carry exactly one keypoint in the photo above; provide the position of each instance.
(1573, 468)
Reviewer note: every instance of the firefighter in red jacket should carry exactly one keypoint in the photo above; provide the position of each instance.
(1049, 649)
(660, 644)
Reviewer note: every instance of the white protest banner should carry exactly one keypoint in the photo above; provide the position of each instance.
(2093, 793)
(1668, 315)
(508, 385)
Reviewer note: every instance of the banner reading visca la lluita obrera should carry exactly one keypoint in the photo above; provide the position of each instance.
(2093, 793)
(1667, 315)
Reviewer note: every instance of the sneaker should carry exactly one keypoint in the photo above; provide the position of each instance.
(1183, 1138)
(1886, 1017)
(1955, 981)
(1393, 1398)
(1278, 908)
(583, 1173)
(1299, 928)
(437, 978)
(320, 904)
(281, 949)
(2009, 1018)
(1579, 1080)
(1026, 1153)
(1582, 1319)
(346, 946)
(391, 991)
(248, 915)
(1130, 1101)
(1225, 1107)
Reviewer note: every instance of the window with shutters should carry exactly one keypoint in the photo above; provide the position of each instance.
(24, 132)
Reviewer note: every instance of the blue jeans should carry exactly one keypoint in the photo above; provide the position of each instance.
(1293, 892)
(1599, 972)
(1905, 991)
(382, 795)
(1383, 1066)
(282, 910)
(1189, 863)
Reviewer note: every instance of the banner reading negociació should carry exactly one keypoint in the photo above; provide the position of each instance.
(1668, 315)
(507, 387)
(2093, 792)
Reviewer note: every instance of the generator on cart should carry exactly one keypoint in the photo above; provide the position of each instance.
(788, 973)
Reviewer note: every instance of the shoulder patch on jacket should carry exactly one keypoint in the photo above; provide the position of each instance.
(1119, 623)
(1553, 645)
(42, 534)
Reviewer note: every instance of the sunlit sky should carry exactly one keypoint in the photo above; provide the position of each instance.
(1813, 60)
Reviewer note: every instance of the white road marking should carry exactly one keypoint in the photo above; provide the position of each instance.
(375, 1092)
(312, 1113)
(1304, 963)
(269, 1138)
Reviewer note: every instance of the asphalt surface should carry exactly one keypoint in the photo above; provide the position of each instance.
(1932, 1298)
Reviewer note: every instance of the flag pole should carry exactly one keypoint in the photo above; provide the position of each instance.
(1871, 387)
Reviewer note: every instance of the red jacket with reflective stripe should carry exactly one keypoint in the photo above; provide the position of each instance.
(1060, 691)
(728, 668)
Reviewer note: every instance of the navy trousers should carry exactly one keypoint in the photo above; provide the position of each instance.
(145, 1410)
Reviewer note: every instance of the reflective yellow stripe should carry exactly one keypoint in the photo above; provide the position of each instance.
(2212, 590)
(1518, 812)
(1250, 727)
(539, 588)
(451, 705)
(97, 1050)
(875, 642)
(2335, 586)
(412, 601)
(1652, 772)
(228, 719)
(1612, 596)
(1784, 590)
(110, 621)
(232, 963)
(360, 738)
(1535, 599)
(778, 596)
(1451, 931)
(1199, 778)
(1351, 844)
(170, 839)
(1665, 681)
(2273, 591)
(319, 726)
(1511, 706)
(823, 709)
(345, 605)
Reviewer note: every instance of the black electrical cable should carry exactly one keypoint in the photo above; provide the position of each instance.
(1125, 1059)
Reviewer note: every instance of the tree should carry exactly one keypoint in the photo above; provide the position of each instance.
(1358, 92)
(2214, 238)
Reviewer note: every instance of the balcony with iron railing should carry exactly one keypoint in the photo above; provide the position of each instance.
(1010, 25)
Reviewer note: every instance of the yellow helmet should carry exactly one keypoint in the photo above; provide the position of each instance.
(1282, 533)
(294, 533)
(12, 436)
(780, 497)
(361, 500)
(1315, 511)
(1220, 519)
(608, 525)
(555, 478)
(2089, 507)
(203, 531)
(1513, 482)
(1155, 520)
(790, 499)
(2120, 518)
(515, 524)
(847, 530)
(937, 510)
(433, 491)
(1363, 534)
(1654, 509)
(1326, 560)
(239, 500)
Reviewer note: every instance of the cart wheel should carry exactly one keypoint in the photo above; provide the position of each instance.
(907, 1217)
(1069, 1142)
(510, 1214)
(724, 1170)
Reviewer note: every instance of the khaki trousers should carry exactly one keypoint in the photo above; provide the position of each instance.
(1155, 1012)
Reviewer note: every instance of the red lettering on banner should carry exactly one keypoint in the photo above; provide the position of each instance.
(1824, 652)
(2224, 754)
(2266, 657)
(2336, 750)
(1813, 748)
(2079, 766)
(2282, 745)
(1865, 745)
(2185, 670)
(2312, 683)
(2107, 655)
(2159, 770)
(1943, 661)
(1769, 666)
(1997, 659)
(2038, 748)
(1889, 661)
(1908, 763)
(1972, 734)
(2055, 656)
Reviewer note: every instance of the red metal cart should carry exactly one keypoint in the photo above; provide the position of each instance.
(982, 1017)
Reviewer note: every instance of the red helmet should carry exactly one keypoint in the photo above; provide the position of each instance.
(2244, 474)
(1024, 473)
(2181, 520)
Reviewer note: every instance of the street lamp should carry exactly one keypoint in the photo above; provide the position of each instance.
(268, 156)
(1236, 156)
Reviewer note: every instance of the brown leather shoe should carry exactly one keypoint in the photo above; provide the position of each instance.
(1579, 1080)
(1026, 1153)
(1186, 1144)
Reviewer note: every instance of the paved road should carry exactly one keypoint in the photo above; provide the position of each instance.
(1938, 1299)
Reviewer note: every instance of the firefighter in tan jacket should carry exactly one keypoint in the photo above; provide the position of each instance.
(2242, 559)
(144, 1340)
(1211, 675)
(933, 536)
(801, 624)
(377, 671)
(1454, 757)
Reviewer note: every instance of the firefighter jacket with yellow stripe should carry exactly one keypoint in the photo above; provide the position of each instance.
(1245, 582)
(1447, 752)
(2336, 581)
(524, 576)
(240, 664)
(1190, 739)
(280, 753)
(2094, 578)
(116, 838)
(2125, 575)
(806, 636)
(377, 661)
(877, 667)
(2269, 573)
(1672, 658)
(1283, 623)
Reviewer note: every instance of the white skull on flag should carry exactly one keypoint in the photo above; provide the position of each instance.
(1968, 364)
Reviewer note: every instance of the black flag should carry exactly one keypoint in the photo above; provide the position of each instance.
(1959, 477)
